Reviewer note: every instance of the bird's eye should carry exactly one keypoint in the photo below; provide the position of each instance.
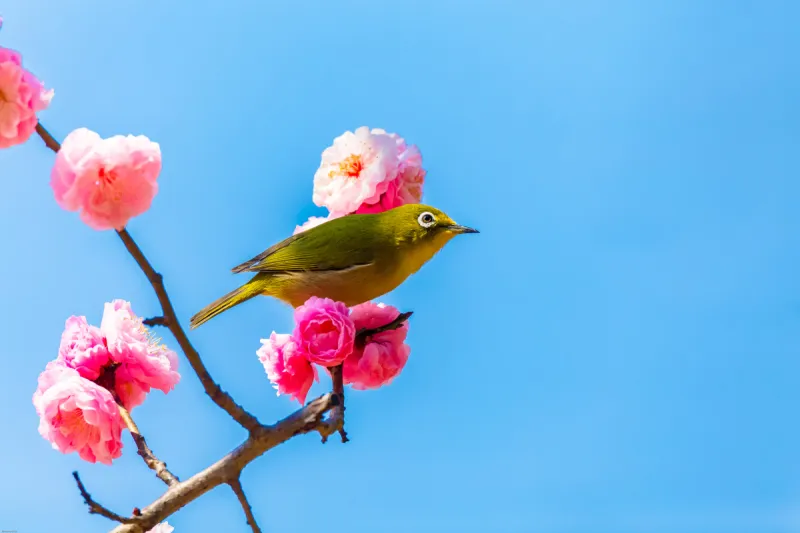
(426, 219)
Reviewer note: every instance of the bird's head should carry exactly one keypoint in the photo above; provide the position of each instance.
(422, 224)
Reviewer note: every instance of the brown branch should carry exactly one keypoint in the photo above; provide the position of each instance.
(155, 321)
(263, 439)
(154, 463)
(219, 396)
(96, 508)
(48, 139)
(363, 335)
(335, 421)
(236, 485)
(107, 380)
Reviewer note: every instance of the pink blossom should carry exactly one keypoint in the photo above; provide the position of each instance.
(324, 332)
(83, 348)
(411, 179)
(356, 169)
(311, 223)
(163, 527)
(406, 187)
(144, 362)
(21, 97)
(388, 200)
(384, 355)
(77, 415)
(287, 368)
(53, 372)
(410, 175)
(109, 180)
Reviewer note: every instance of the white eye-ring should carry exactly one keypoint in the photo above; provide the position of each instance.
(426, 219)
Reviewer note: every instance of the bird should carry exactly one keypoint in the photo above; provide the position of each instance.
(350, 259)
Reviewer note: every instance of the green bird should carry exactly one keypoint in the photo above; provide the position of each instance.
(352, 259)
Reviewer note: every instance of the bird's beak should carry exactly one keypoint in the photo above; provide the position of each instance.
(458, 228)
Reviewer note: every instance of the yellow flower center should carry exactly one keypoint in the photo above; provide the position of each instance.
(350, 167)
(153, 341)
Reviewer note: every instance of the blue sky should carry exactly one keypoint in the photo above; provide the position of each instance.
(616, 351)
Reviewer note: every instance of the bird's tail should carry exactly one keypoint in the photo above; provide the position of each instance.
(232, 299)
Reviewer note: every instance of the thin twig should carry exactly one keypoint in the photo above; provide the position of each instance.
(236, 485)
(363, 334)
(96, 508)
(304, 420)
(150, 459)
(155, 321)
(107, 380)
(219, 396)
(48, 139)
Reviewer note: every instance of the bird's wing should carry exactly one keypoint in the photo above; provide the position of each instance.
(344, 243)
(248, 266)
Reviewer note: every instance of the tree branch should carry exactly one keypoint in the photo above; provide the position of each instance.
(219, 396)
(155, 321)
(363, 335)
(96, 508)
(236, 485)
(48, 139)
(153, 462)
(263, 439)
(335, 421)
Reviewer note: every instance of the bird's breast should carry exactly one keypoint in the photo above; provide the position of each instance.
(353, 285)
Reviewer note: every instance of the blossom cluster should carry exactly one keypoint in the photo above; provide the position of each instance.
(108, 182)
(325, 334)
(97, 370)
(365, 171)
